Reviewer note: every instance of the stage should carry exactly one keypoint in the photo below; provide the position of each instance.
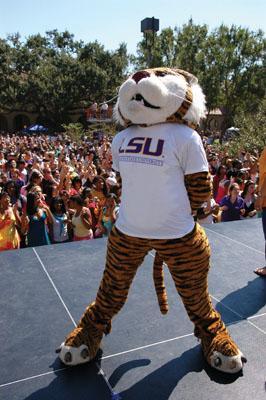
(44, 291)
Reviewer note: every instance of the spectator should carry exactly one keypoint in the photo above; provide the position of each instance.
(94, 109)
(9, 219)
(10, 168)
(249, 197)
(28, 157)
(104, 110)
(108, 215)
(218, 177)
(3, 179)
(99, 189)
(35, 180)
(13, 191)
(223, 190)
(213, 163)
(59, 230)
(34, 221)
(252, 164)
(2, 158)
(93, 205)
(15, 176)
(81, 220)
(232, 206)
(76, 186)
(47, 180)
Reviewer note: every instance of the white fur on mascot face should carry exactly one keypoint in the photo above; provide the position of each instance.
(160, 95)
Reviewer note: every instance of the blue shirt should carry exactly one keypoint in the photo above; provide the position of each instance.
(37, 235)
(233, 212)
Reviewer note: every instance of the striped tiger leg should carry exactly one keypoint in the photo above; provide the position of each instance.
(124, 256)
(188, 262)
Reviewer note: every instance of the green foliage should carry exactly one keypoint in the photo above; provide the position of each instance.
(74, 131)
(108, 129)
(53, 74)
(237, 56)
(252, 135)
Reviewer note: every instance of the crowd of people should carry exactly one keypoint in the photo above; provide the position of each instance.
(235, 186)
(54, 190)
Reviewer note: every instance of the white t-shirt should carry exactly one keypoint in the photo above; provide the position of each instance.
(60, 233)
(152, 162)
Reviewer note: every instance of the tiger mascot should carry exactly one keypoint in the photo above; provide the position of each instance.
(165, 179)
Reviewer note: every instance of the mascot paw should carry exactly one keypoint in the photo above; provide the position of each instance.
(228, 364)
(222, 353)
(81, 345)
(73, 355)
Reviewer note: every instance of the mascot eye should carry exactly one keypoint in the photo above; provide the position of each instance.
(160, 73)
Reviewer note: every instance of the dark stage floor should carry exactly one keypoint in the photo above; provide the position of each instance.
(44, 291)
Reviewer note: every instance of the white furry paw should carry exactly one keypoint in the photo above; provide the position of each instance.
(228, 364)
(73, 355)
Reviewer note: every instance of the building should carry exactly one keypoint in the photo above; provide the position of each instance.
(215, 121)
(18, 119)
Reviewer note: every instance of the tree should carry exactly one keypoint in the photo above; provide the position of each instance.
(229, 63)
(54, 74)
(74, 131)
(9, 80)
(252, 135)
(234, 58)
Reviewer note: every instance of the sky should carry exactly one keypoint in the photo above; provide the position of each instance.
(114, 21)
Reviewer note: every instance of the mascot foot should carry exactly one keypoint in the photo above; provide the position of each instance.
(222, 353)
(228, 364)
(73, 355)
(81, 345)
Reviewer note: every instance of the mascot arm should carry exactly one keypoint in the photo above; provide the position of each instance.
(199, 188)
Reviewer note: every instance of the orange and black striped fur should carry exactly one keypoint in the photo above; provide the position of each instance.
(188, 261)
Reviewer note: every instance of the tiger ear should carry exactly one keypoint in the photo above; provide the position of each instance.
(190, 78)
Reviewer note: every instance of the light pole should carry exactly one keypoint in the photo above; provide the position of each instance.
(149, 26)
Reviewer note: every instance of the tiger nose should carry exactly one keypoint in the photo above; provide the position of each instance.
(140, 75)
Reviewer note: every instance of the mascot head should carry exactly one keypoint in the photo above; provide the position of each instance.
(157, 95)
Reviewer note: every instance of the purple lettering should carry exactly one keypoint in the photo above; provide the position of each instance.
(143, 145)
(136, 147)
(157, 152)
